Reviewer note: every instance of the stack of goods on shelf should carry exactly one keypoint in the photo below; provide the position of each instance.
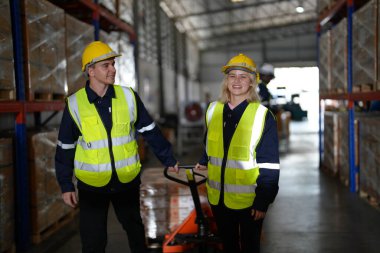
(7, 205)
(165, 204)
(339, 58)
(330, 142)
(125, 65)
(121, 9)
(364, 48)
(7, 83)
(78, 35)
(325, 63)
(45, 51)
(48, 211)
(370, 158)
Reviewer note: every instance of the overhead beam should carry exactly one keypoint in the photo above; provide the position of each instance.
(251, 36)
(229, 8)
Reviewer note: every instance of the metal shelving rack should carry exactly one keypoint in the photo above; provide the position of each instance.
(339, 9)
(101, 18)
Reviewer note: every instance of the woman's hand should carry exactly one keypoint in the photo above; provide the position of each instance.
(200, 167)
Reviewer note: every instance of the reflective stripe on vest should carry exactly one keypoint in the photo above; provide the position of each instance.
(241, 169)
(92, 157)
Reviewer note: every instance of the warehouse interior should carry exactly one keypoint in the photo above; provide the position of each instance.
(326, 91)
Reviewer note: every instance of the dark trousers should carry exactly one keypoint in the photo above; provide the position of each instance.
(93, 219)
(237, 229)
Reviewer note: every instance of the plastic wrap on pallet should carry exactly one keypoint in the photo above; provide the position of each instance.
(47, 206)
(126, 11)
(122, 9)
(45, 35)
(364, 47)
(325, 63)
(7, 77)
(330, 142)
(164, 203)
(6, 152)
(339, 57)
(7, 206)
(78, 35)
(370, 156)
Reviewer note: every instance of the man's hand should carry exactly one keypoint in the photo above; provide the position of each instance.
(200, 167)
(70, 199)
(257, 215)
(174, 168)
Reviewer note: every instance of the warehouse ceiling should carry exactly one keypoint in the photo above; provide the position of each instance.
(221, 23)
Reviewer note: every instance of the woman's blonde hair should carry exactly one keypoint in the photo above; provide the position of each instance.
(253, 96)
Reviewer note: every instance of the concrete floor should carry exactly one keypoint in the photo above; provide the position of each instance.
(313, 212)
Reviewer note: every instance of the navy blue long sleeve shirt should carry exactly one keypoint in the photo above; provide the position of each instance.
(69, 134)
(267, 153)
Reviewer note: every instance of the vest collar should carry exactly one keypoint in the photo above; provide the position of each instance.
(92, 96)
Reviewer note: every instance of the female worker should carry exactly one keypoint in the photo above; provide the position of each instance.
(241, 156)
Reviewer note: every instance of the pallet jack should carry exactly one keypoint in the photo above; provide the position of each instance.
(198, 230)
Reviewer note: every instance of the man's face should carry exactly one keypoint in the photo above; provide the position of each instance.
(103, 72)
(266, 78)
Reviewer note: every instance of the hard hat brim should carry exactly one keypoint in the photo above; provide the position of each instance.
(101, 58)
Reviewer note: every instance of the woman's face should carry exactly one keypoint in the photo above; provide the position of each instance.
(238, 83)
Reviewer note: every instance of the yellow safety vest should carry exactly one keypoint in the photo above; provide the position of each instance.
(241, 169)
(92, 162)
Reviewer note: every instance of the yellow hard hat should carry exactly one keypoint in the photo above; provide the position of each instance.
(95, 52)
(242, 62)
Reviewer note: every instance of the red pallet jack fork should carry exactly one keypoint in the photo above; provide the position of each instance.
(198, 230)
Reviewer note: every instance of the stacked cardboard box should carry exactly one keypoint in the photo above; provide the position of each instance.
(7, 205)
(364, 47)
(330, 142)
(165, 204)
(48, 210)
(339, 57)
(7, 79)
(370, 157)
(78, 35)
(45, 50)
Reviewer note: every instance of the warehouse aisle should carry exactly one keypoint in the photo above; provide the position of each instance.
(313, 212)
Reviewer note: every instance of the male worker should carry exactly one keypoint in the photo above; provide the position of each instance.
(266, 75)
(97, 142)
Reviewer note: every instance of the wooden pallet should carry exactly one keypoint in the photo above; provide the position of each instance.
(366, 87)
(7, 94)
(55, 227)
(45, 96)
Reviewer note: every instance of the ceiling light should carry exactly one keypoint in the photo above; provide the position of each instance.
(237, 1)
(300, 9)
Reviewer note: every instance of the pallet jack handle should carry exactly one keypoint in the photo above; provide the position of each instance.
(189, 169)
(192, 183)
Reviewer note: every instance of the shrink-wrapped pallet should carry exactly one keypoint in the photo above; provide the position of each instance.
(7, 203)
(164, 203)
(45, 50)
(370, 157)
(48, 210)
(364, 48)
(330, 142)
(339, 57)
(325, 63)
(7, 77)
(78, 35)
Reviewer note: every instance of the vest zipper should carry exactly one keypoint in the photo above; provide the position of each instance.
(109, 143)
